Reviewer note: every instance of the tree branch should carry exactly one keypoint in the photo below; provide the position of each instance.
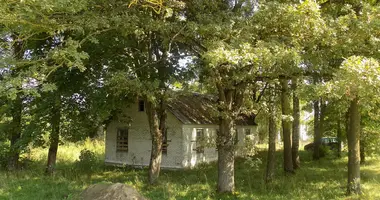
(261, 93)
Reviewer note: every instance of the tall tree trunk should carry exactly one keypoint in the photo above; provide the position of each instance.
(317, 134)
(339, 136)
(353, 137)
(271, 160)
(347, 122)
(54, 135)
(15, 136)
(157, 121)
(16, 112)
(322, 130)
(286, 126)
(322, 116)
(362, 151)
(226, 156)
(229, 100)
(296, 126)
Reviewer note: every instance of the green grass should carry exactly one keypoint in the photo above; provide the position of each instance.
(324, 179)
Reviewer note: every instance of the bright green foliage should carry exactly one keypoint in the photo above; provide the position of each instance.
(358, 77)
(54, 36)
(370, 135)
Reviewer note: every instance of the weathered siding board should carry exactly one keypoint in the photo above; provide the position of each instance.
(187, 147)
(243, 138)
(192, 157)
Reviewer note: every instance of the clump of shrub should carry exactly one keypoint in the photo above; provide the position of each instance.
(4, 153)
(327, 152)
(253, 162)
(87, 163)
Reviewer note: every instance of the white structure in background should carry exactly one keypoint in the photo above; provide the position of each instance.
(303, 126)
(305, 116)
(189, 124)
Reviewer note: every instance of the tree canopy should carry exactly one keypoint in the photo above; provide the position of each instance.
(67, 67)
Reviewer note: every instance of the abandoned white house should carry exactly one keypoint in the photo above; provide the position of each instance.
(189, 123)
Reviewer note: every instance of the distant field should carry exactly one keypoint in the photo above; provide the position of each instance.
(324, 179)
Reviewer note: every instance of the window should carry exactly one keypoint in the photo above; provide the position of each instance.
(247, 131)
(141, 106)
(200, 141)
(165, 142)
(122, 140)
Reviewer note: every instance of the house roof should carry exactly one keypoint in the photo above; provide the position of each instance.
(200, 109)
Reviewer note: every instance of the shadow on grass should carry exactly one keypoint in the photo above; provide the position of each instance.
(323, 179)
(315, 180)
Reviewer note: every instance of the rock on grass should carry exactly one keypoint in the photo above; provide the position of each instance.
(117, 191)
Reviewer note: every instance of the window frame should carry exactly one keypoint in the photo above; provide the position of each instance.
(122, 136)
(247, 130)
(200, 148)
(165, 142)
(141, 105)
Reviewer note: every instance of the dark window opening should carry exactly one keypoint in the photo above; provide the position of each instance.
(247, 131)
(141, 106)
(200, 141)
(122, 140)
(165, 142)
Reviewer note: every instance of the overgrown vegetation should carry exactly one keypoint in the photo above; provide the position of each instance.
(324, 179)
(69, 67)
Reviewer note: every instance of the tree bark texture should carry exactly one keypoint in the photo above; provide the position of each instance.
(347, 122)
(317, 134)
(271, 160)
(362, 151)
(226, 156)
(230, 102)
(54, 135)
(157, 123)
(339, 136)
(353, 140)
(322, 116)
(15, 134)
(286, 126)
(296, 126)
(322, 130)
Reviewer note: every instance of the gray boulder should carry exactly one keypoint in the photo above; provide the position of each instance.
(117, 191)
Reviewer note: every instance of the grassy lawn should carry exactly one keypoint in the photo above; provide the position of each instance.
(324, 179)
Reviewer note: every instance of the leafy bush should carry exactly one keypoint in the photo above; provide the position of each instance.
(253, 163)
(87, 162)
(326, 151)
(249, 149)
(4, 151)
